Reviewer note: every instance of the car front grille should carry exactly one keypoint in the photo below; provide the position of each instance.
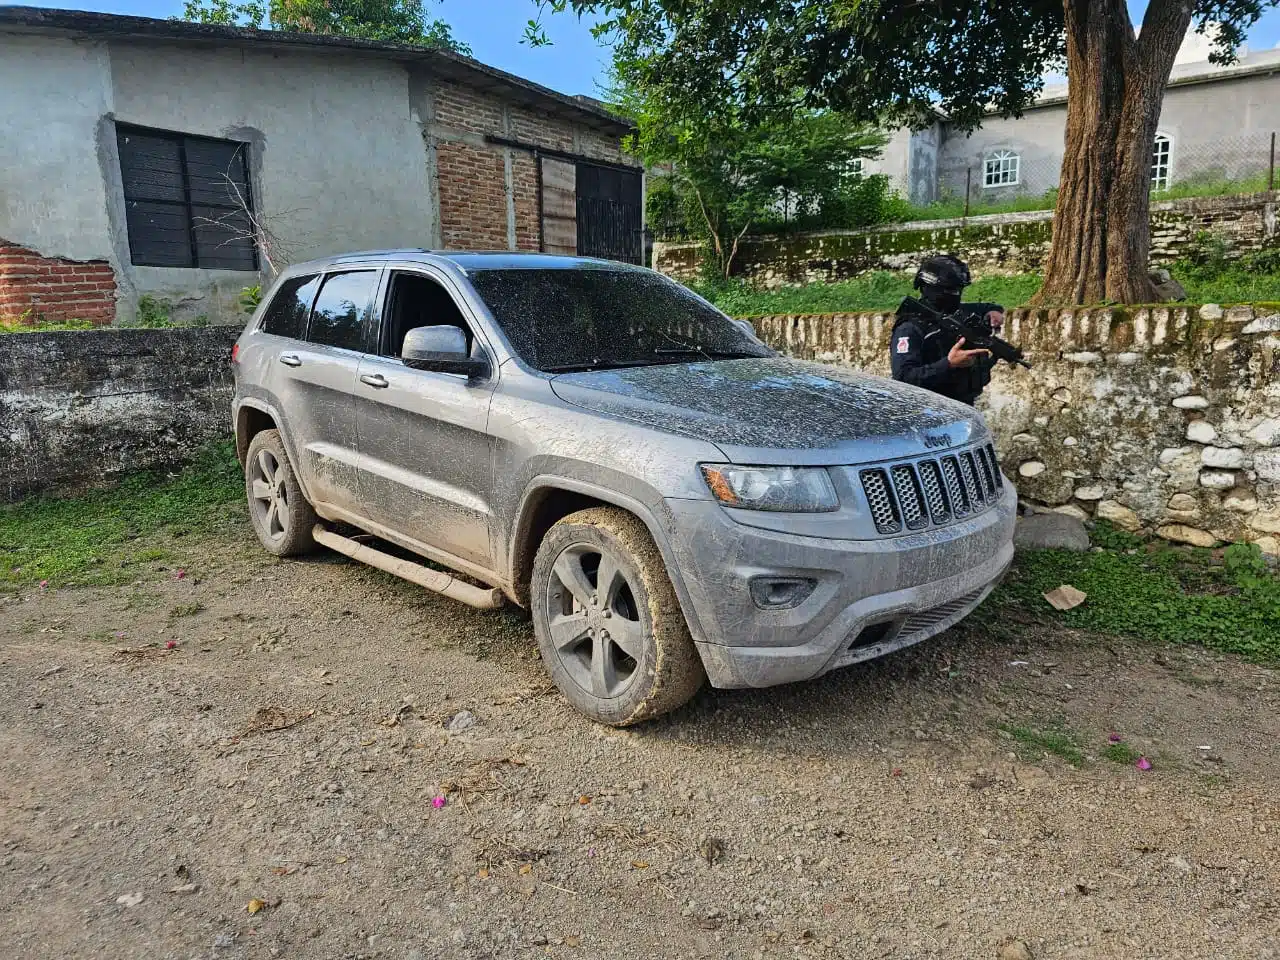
(925, 619)
(907, 497)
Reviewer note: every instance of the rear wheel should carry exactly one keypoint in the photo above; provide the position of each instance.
(608, 623)
(282, 517)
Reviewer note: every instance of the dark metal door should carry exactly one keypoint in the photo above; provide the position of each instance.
(610, 218)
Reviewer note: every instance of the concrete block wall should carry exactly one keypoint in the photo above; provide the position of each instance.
(1164, 420)
(994, 245)
(37, 289)
(82, 407)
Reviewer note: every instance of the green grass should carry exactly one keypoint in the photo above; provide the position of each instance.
(1159, 593)
(1053, 738)
(18, 325)
(884, 290)
(112, 536)
(880, 290)
(1121, 753)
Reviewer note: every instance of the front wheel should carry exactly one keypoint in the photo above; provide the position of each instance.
(608, 623)
(282, 517)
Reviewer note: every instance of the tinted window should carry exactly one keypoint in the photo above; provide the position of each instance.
(287, 314)
(338, 317)
(588, 318)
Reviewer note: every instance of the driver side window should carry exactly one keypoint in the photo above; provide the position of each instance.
(415, 300)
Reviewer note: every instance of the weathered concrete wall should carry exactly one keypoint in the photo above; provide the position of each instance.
(1162, 419)
(993, 245)
(78, 408)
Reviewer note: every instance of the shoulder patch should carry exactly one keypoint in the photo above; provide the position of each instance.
(904, 345)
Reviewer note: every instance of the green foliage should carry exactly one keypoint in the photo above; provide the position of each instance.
(105, 536)
(726, 173)
(1160, 593)
(24, 324)
(1051, 737)
(1121, 753)
(153, 313)
(249, 298)
(1107, 535)
(1210, 186)
(1210, 275)
(953, 208)
(877, 290)
(398, 21)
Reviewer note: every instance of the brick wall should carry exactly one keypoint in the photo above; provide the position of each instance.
(471, 174)
(47, 289)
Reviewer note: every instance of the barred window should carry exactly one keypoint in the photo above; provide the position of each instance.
(1161, 162)
(187, 200)
(1003, 169)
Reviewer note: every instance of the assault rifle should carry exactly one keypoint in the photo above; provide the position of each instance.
(977, 335)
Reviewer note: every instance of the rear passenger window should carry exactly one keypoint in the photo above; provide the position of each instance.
(337, 320)
(287, 314)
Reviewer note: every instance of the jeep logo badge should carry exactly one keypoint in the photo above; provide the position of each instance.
(935, 440)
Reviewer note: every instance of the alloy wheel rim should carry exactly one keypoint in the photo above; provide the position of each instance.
(594, 621)
(270, 496)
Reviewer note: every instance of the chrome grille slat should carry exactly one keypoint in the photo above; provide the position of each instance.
(909, 499)
(988, 479)
(955, 488)
(934, 495)
(970, 474)
(884, 511)
(995, 466)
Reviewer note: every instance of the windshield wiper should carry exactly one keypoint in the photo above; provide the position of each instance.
(709, 354)
(582, 366)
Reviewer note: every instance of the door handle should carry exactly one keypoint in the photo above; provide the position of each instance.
(375, 380)
(289, 360)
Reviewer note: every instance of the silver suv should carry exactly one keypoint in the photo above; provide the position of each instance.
(670, 499)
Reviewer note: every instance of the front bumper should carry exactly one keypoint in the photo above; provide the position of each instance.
(872, 596)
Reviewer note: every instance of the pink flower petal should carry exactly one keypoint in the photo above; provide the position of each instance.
(1114, 738)
(438, 802)
(180, 575)
(44, 584)
(1143, 763)
(171, 644)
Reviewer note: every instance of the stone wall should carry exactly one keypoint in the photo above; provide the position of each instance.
(993, 245)
(78, 408)
(1164, 420)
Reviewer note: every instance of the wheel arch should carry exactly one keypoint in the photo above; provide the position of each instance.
(549, 499)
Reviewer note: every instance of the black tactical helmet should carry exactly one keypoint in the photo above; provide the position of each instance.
(943, 273)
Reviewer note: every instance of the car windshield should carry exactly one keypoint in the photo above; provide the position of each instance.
(589, 319)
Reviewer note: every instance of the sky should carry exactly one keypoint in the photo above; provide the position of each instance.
(575, 63)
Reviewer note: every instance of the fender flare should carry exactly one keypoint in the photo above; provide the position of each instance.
(262, 406)
(613, 498)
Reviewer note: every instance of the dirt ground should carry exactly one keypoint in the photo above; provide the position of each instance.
(265, 788)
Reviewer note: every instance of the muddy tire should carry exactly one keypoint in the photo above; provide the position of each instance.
(282, 517)
(608, 623)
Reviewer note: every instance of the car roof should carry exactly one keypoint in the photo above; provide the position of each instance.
(471, 261)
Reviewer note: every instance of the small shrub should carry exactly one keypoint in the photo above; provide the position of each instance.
(152, 313)
(249, 298)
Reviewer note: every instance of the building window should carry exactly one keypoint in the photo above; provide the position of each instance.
(857, 166)
(1003, 169)
(1161, 162)
(187, 200)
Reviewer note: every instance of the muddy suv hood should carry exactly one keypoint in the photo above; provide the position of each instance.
(777, 411)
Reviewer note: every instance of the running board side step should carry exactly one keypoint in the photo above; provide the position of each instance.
(482, 598)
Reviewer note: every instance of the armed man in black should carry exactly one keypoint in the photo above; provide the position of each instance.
(925, 355)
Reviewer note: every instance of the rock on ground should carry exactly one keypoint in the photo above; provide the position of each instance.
(1051, 531)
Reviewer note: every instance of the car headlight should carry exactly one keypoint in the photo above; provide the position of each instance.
(776, 489)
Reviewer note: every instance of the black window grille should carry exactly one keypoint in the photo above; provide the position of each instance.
(187, 200)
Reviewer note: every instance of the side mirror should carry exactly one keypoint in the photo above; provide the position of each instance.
(441, 349)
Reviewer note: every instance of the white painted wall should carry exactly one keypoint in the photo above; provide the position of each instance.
(53, 93)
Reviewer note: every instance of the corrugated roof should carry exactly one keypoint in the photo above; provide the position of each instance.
(444, 63)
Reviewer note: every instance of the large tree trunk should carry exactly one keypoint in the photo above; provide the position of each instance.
(1101, 227)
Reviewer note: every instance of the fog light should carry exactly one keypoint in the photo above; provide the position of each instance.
(781, 593)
